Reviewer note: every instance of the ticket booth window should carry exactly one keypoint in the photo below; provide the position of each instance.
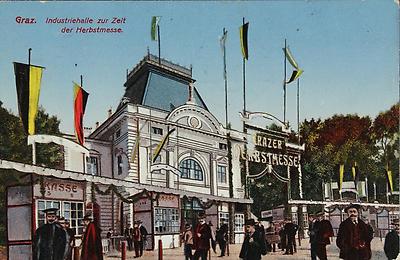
(72, 211)
(166, 220)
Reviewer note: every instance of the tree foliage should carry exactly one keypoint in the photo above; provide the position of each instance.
(13, 147)
(340, 139)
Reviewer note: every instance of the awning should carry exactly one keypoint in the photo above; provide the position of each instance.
(128, 185)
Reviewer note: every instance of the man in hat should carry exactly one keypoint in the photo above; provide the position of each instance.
(324, 232)
(222, 237)
(313, 227)
(70, 237)
(253, 244)
(354, 236)
(137, 238)
(201, 238)
(49, 240)
(391, 246)
(290, 231)
(91, 243)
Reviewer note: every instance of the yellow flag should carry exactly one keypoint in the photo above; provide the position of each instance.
(341, 174)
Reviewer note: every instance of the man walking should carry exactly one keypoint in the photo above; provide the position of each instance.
(50, 239)
(201, 238)
(391, 246)
(354, 236)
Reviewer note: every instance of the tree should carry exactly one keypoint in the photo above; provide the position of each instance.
(13, 146)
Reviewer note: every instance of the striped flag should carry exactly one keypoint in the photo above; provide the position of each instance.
(243, 30)
(296, 71)
(28, 79)
(341, 174)
(154, 23)
(161, 145)
(295, 75)
(80, 100)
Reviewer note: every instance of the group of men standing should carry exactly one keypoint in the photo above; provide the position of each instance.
(202, 238)
(136, 238)
(54, 240)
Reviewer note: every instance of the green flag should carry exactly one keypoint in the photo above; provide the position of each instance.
(290, 58)
(154, 23)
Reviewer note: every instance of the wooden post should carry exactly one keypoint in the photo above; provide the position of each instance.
(160, 250)
(123, 250)
(76, 253)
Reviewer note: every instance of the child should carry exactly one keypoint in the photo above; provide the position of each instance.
(187, 239)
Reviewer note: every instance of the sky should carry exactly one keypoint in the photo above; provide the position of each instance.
(349, 51)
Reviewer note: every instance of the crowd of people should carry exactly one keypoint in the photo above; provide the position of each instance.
(55, 239)
(353, 238)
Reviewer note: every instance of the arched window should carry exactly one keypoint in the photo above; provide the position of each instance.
(191, 169)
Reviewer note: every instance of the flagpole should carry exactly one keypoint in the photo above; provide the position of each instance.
(284, 86)
(298, 110)
(159, 44)
(34, 143)
(226, 83)
(244, 86)
(244, 113)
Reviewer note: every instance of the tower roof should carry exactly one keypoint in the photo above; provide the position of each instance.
(160, 84)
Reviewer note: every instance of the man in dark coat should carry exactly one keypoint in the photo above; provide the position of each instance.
(253, 243)
(143, 234)
(70, 238)
(201, 238)
(91, 243)
(49, 241)
(128, 232)
(324, 232)
(313, 227)
(222, 238)
(290, 231)
(391, 246)
(354, 236)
